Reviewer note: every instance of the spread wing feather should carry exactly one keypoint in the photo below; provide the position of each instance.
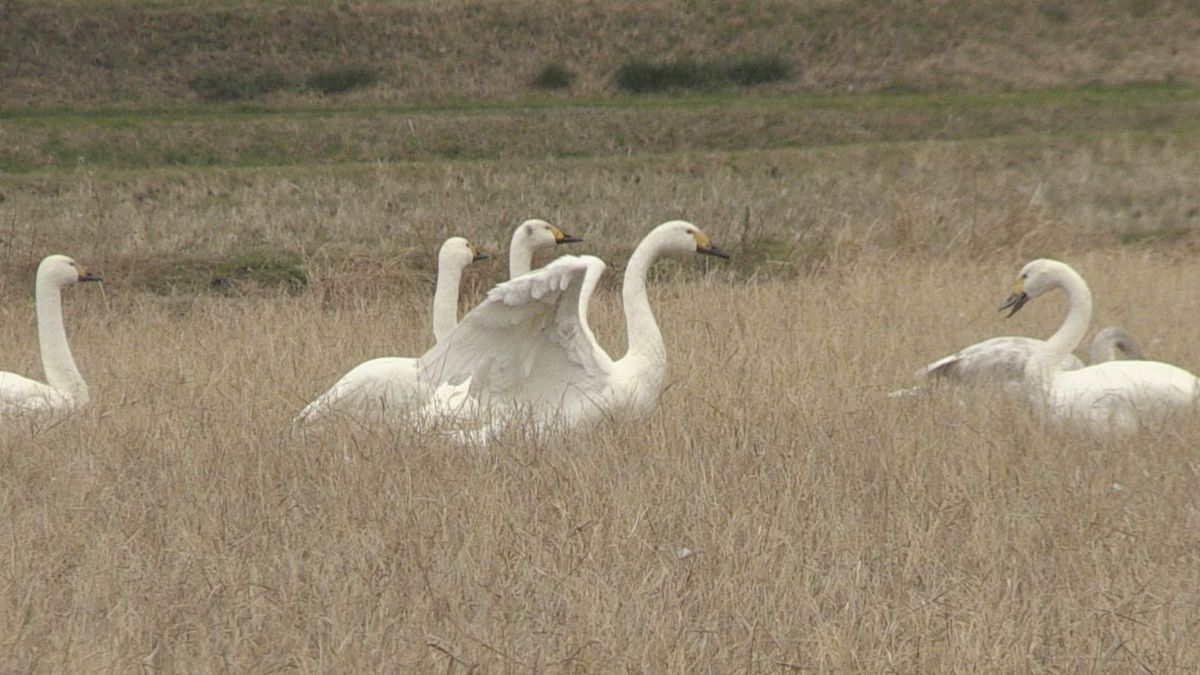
(528, 343)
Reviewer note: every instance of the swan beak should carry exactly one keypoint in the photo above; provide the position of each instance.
(90, 276)
(561, 237)
(479, 255)
(1016, 299)
(704, 245)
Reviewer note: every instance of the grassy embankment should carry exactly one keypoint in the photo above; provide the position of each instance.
(176, 524)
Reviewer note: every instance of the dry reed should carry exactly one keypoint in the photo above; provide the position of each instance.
(775, 513)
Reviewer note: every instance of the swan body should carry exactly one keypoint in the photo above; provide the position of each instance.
(451, 403)
(384, 387)
(1110, 395)
(528, 348)
(64, 388)
(1002, 359)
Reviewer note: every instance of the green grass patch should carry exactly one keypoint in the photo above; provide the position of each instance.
(752, 70)
(553, 76)
(643, 77)
(240, 272)
(342, 79)
(233, 84)
(247, 134)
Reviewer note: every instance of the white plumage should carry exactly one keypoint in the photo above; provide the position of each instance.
(528, 348)
(385, 388)
(64, 388)
(1115, 394)
(382, 388)
(1002, 359)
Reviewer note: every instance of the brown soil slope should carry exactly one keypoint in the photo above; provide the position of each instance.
(85, 54)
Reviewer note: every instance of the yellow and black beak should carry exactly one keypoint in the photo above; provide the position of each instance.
(705, 246)
(561, 237)
(90, 276)
(479, 255)
(1016, 299)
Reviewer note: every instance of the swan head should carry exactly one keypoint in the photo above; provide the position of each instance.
(538, 234)
(1114, 344)
(457, 252)
(681, 238)
(63, 271)
(1036, 278)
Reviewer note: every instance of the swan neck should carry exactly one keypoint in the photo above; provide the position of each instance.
(520, 256)
(645, 339)
(1049, 360)
(445, 300)
(58, 363)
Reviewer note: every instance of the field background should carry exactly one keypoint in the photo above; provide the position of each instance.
(776, 513)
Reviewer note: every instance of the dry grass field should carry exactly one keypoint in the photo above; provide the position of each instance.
(776, 513)
(177, 524)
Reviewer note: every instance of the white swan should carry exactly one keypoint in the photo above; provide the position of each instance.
(383, 386)
(1115, 394)
(450, 402)
(531, 236)
(528, 346)
(1114, 344)
(1002, 359)
(64, 388)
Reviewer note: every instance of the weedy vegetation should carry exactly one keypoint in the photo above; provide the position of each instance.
(776, 513)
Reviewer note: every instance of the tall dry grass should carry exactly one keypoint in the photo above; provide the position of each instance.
(782, 212)
(176, 523)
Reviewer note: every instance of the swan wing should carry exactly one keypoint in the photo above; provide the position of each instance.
(377, 387)
(22, 395)
(528, 342)
(1000, 359)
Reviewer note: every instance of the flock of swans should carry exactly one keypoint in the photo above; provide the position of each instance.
(527, 352)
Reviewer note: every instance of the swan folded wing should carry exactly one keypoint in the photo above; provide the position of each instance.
(528, 343)
(22, 395)
(999, 358)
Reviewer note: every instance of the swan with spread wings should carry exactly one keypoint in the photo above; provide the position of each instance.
(528, 348)
(384, 387)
